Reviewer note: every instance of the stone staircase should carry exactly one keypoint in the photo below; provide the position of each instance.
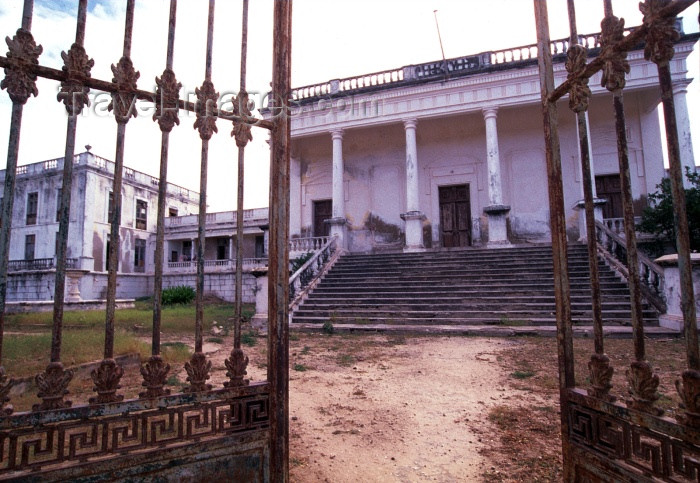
(508, 287)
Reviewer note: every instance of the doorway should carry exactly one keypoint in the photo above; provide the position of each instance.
(455, 216)
(323, 210)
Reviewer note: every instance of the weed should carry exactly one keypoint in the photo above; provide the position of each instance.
(300, 368)
(174, 381)
(216, 340)
(176, 351)
(249, 338)
(293, 336)
(328, 327)
(305, 350)
(522, 374)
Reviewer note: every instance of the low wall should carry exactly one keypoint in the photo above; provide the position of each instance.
(37, 286)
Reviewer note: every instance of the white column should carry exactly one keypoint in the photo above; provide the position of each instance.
(294, 197)
(496, 211)
(231, 256)
(413, 216)
(338, 187)
(683, 124)
(597, 202)
(338, 222)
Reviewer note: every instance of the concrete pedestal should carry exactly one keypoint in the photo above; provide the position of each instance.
(259, 320)
(580, 206)
(414, 231)
(498, 231)
(73, 285)
(673, 318)
(339, 229)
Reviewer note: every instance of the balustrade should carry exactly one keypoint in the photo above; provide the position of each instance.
(611, 245)
(301, 279)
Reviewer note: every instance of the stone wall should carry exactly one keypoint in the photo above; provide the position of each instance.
(32, 286)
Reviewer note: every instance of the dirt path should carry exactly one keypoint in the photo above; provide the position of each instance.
(401, 416)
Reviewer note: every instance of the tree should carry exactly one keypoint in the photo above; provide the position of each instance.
(658, 217)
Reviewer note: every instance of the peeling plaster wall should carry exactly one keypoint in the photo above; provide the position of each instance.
(452, 150)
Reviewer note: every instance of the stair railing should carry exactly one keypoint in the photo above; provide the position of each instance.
(304, 279)
(612, 247)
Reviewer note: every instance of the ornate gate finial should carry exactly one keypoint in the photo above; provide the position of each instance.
(643, 385)
(74, 92)
(198, 368)
(53, 386)
(661, 32)
(580, 93)
(124, 100)
(241, 130)
(5, 387)
(600, 373)
(106, 379)
(154, 372)
(206, 108)
(615, 61)
(19, 81)
(689, 391)
(167, 97)
(236, 365)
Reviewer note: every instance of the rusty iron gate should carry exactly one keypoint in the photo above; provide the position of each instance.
(605, 438)
(235, 432)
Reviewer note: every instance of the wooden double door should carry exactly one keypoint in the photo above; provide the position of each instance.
(455, 216)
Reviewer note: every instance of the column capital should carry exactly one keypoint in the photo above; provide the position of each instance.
(337, 134)
(680, 87)
(490, 112)
(410, 123)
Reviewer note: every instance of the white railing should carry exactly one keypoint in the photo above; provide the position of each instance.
(310, 244)
(215, 265)
(220, 217)
(613, 248)
(314, 268)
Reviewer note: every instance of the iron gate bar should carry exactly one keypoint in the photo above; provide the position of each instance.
(198, 367)
(238, 362)
(557, 222)
(74, 96)
(278, 273)
(155, 370)
(20, 86)
(659, 49)
(627, 43)
(642, 381)
(107, 376)
(600, 371)
(53, 382)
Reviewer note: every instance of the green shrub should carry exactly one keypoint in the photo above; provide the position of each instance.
(296, 263)
(182, 294)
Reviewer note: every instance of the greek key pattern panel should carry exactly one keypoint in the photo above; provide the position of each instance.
(642, 449)
(32, 448)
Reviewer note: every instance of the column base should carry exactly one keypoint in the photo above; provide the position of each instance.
(498, 232)
(580, 206)
(339, 229)
(414, 231)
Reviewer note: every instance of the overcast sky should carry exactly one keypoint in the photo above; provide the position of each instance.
(331, 39)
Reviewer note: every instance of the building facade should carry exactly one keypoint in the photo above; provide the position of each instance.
(35, 229)
(451, 153)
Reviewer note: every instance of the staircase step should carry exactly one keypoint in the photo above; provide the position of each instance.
(480, 287)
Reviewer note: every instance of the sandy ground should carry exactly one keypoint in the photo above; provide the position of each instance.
(386, 408)
(400, 417)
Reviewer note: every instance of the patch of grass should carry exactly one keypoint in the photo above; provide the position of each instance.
(249, 338)
(300, 367)
(216, 340)
(182, 294)
(175, 319)
(175, 351)
(522, 374)
(25, 355)
(328, 327)
(305, 350)
(293, 336)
